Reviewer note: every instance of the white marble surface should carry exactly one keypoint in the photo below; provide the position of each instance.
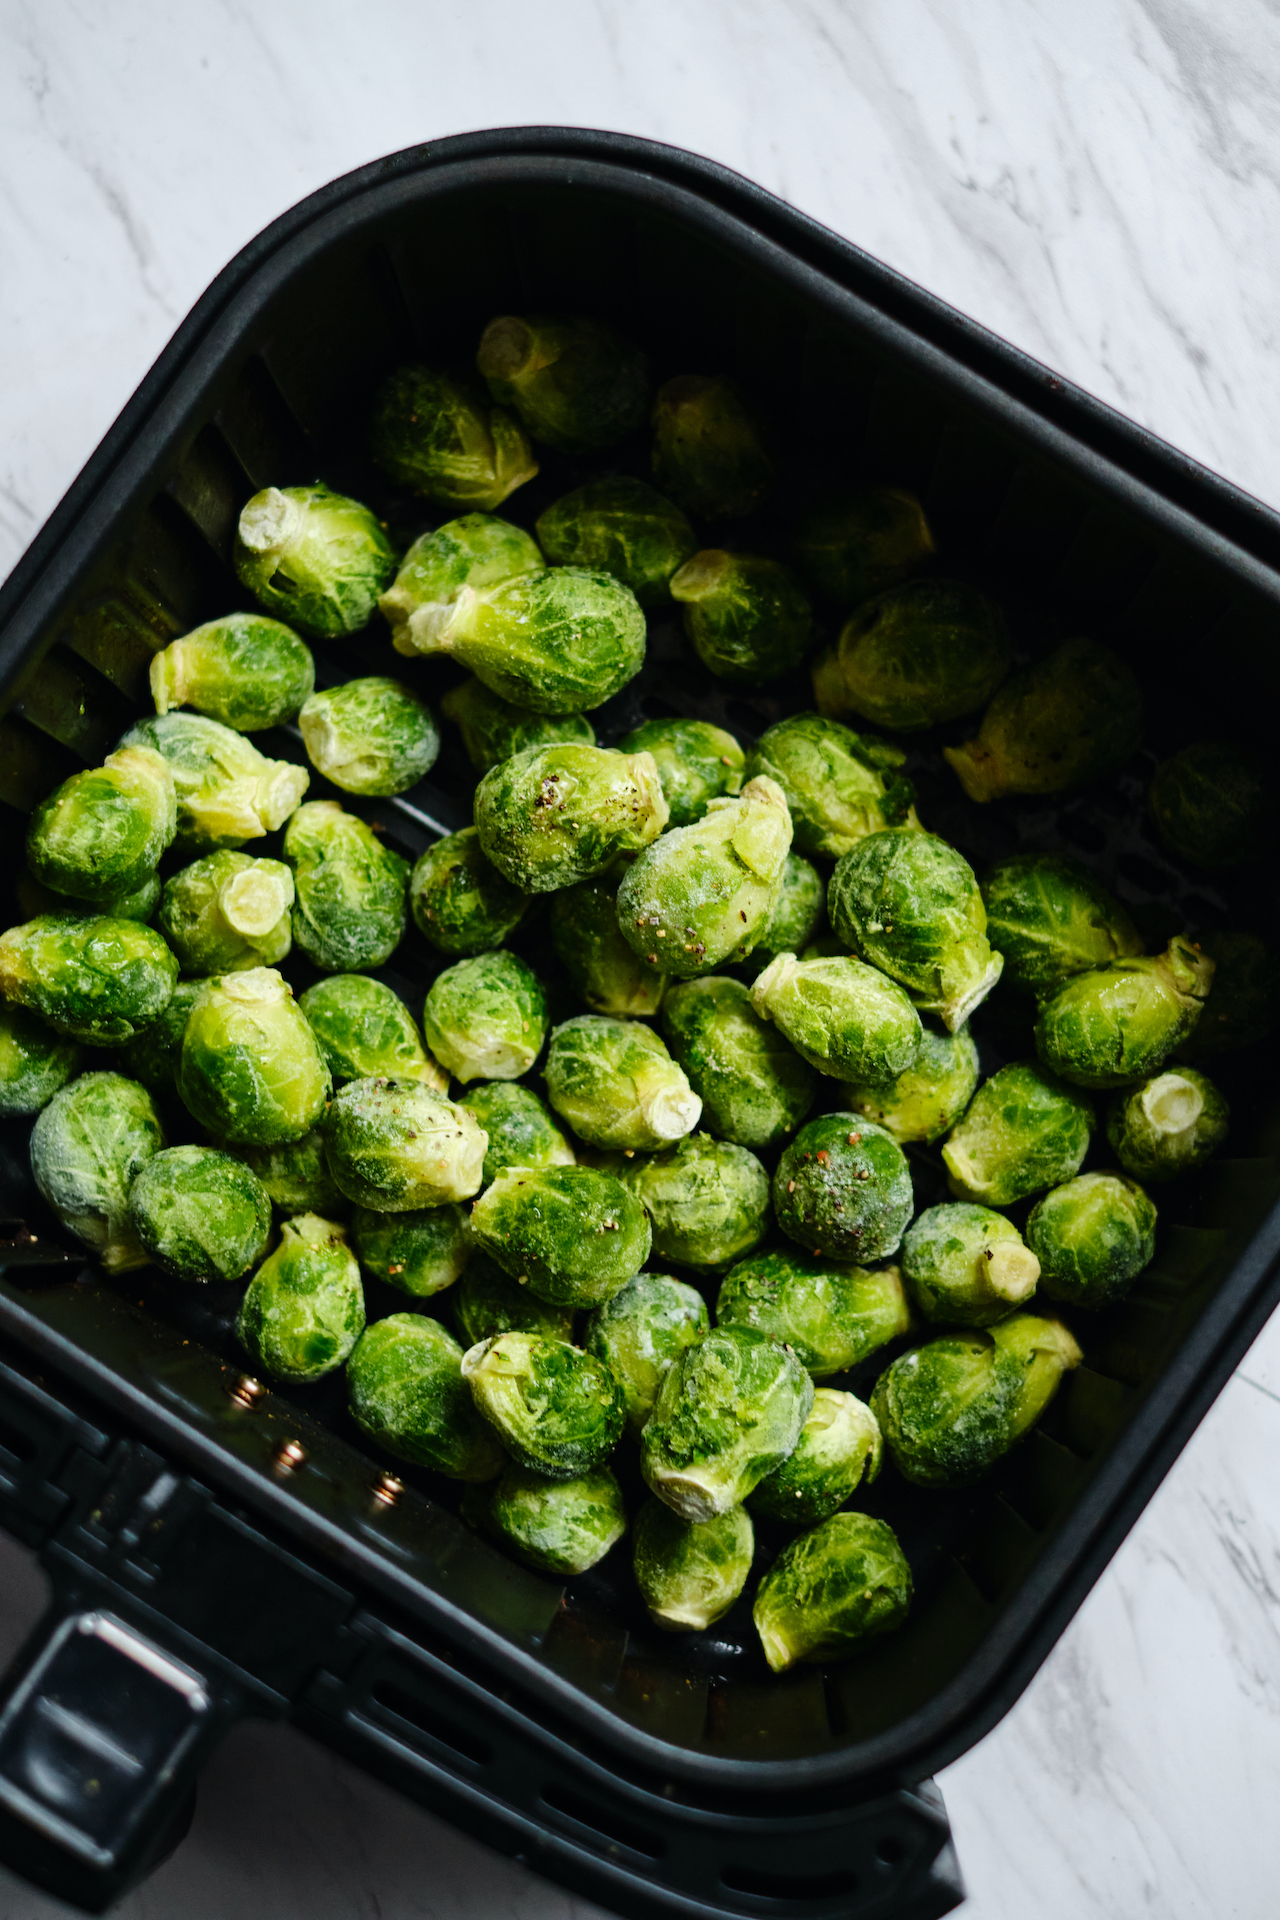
(1099, 183)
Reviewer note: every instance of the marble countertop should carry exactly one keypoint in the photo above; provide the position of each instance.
(1099, 184)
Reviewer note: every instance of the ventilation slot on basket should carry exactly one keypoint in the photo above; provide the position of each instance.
(441, 1732)
(605, 1824)
(20, 1446)
(790, 1889)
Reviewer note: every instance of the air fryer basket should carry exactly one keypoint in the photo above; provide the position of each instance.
(556, 1721)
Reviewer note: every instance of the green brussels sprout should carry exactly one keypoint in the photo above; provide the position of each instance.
(925, 1100)
(557, 1411)
(849, 549)
(1169, 1124)
(420, 1253)
(486, 1018)
(372, 736)
(1244, 998)
(708, 1201)
(707, 453)
(35, 900)
(576, 384)
(434, 433)
(754, 1088)
(250, 1069)
(623, 527)
(521, 1131)
(100, 835)
(100, 980)
(1025, 1130)
(303, 1310)
(744, 616)
(839, 1447)
(845, 1018)
(200, 1215)
(296, 1174)
(552, 816)
(1216, 805)
(493, 729)
(460, 903)
(487, 1301)
(696, 763)
(152, 1056)
(1092, 1237)
(557, 1526)
(919, 654)
(407, 1392)
(839, 784)
(1052, 919)
(728, 1413)
(831, 1589)
(1117, 1023)
(641, 1332)
(951, 1409)
(690, 1573)
(228, 911)
(967, 1266)
(843, 1188)
(1071, 717)
(617, 1086)
(797, 915)
(572, 1235)
(350, 910)
(227, 791)
(589, 945)
(395, 1146)
(88, 1146)
(364, 1030)
(832, 1316)
(314, 557)
(477, 551)
(243, 670)
(35, 1062)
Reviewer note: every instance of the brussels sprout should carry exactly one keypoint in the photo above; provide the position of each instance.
(951, 1409)
(395, 1146)
(372, 736)
(1116, 1023)
(364, 1029)
(493, 729)
(557, 1526)
(200, 1215)
(35, 900)
(407, 1392)
(829, 1590)
(839, 784)
(1024, 1130)
(797, 915)
(34, 1062)
(572, 1235)
(432, 432)
(1073, 716)
(708, 1201)
(928, 1097)
(100, 980)
(597, 959)
(1051, 919)
(296, 1174)
(728, 1413)
(1168, 1125)
(617, 1086)
(551, 816)
(250, 1069)
(839, 1447)
(576, 384)
(521, 1131)
(744, 616)
(152, 1056)
(244, 670)
(487, 1301)
(851, 548)
(845, 1018)
(690, 1573)
(696, 763)
(486, 1018)
(919, 654)
(87, 1148)
(227, 791)
(754, 1088)
(557, 1411)
(421, 1253)
(843, 1188)
(707, 452)
(1216, 805)
(314, 557)
(100, 835)
(1092, 1237)
(477, 551)
(227, 912)
(1244, 999)
(460, 903)
(641, 1332)
(967, 1266)
(303, 1310)
(623, 527)
(832, 1316)
(350, 910)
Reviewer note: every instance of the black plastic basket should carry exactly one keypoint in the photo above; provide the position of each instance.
(214, 1554)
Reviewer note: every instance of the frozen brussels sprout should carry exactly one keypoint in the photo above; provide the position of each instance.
(690, 1573)
(521, 1131)
(925, 1100)
(407, 1392)
(420, 1253)
(1117, 1023)
(313, 557)
(1244, 999)
(617, 1086)
(100, 835)
(623, 527)
(557, 1526)
(227, 791)
(1051, 919)
(487, 1301)
(951, 1409)
(244, 670)
(839, 1447)
(396, 1145)
(839, 784)
(152, 1056)
(797, 916)
(100, 981)
(576, 384)
(754, 1087)
(460, 903)
(967, 1266)
(434, 433)
(744, 616)
(696, 763)
(707, 451)
(1092, 1237)
(200, 1215)
(572, 1235)
(728, 1413)
(641, 1332)
(493, 729)
(552, 816)
(831, 1315)
(1169, 1124)
(1073, 716)
(557, 1411)
(350, 910)
(826, 1592)
(843, 1188)
(917, 655)
(1025, 1130)
(845, 1018)
(296, 1175)
(708, 1201)
(35, 899)
(486, 1018)
(851, 548)
(589, 945)
(227, 912)
(477, 551)
(1216, 805)
(250, 1069)
(88, 1147)
(35, 1062)
(372, 736)
(364, 1029)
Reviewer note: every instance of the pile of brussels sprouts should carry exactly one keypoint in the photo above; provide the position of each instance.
(703, 1002)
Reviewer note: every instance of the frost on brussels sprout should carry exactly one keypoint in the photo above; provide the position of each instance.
(556, 1410)
(908, 903)
(708, 1201)
(831, 1315)
(1092, 1237)
(951, 1409)
(576, 384)
(35, 1062)
(707, 452)
(372, 736)
(419, 1253)
(350, 909)
(100, 981)
(313, 557)
(227, 912)
(928, 1097)
(303, 1310)
(1244, 999)
(1073, 716)
(152, 1057)
(460, 903)
(250, 1069)
(476, 551)
(919, 654)
(486, 1018)
(435, 433)
(690, 1573)
(617, 1086)
(849, 549)
(1051, 919)
(1168, 1125)
(1117, 1023)
(696, 763)
(623, 527)
(728, 1413)
(487, 1301)
(552, 816)
(557, 1526)
(601, 966)
(395, 1146)
(200, 1215)
(967, 1266)
(572, 1235)
(87, 1148)
(494, 729)
(365, 1030)
(831, 1589)
(744, 616)
(839, 784)
(839, 1448)
(843, 1189)
(407, 1392)
(296, 1175)
(1216, 805)
(754, 1087)
(521, 1131)
(845, 1018)
(244, 670)
(100, 835)
(797, 916)
(227, 791)
(1025, 1130)
(641, 1332)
